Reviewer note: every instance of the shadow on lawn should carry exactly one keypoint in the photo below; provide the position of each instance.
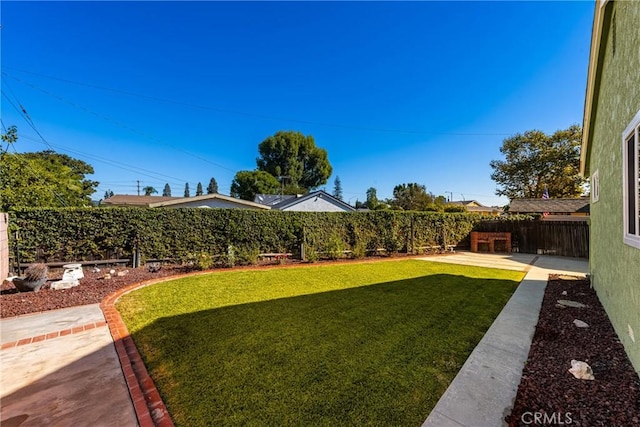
(373, 355)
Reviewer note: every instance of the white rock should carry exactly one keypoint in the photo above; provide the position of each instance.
(95, 270)
(581, 370)
(564, 293)
(107, 277)
(580, 323)
(122, 273)
(568, 303)
(112, 271)
(64, 284)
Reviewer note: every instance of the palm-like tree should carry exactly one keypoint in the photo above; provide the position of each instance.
(149, 190)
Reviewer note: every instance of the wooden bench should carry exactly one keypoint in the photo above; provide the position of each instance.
(272, 256)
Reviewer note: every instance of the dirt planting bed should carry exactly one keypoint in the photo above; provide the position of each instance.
(548, 393)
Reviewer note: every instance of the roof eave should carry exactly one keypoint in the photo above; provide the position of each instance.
(593, 81)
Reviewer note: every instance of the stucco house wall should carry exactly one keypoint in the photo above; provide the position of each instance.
(615, 97)
(316, 204)
(212, 203)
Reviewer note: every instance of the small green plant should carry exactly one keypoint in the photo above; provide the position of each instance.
(359, 250)
(335, 247)
(36, 272)
(310, 254)
(229, 259)
(248, 255)
(204, 261)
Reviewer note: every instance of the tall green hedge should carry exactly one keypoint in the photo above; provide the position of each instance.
(69, 234)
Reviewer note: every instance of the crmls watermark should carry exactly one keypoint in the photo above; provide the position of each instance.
(542, 418)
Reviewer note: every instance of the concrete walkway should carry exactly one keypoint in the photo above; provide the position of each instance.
(483, 392)
(60, 368)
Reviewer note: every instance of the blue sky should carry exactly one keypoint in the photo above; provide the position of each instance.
(395, 92)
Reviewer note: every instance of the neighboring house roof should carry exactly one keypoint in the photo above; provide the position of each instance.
(600, 27)
(468, 203)
(142, 201)
(317, 201)
(209, 201)
(272, 199)
(477, 207)
(580, 205)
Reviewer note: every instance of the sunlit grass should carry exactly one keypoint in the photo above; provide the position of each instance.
(360, 344)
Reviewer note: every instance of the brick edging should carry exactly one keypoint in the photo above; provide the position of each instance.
(51, 335)
(149, 407)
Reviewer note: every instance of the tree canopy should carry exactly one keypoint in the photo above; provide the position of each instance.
(212, 188)
(187, 192)
(44, 179)
(167, 190)
(149, 190)
(534, 160)
(372, 202)
(295, 157)
(199, 191)
(411, 197)
(337, 188)
(246, 184)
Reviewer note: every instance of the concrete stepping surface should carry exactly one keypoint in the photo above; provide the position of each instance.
(61, 368)
(484, 390)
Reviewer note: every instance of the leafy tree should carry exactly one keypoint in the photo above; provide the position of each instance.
(372, 199)
(149, 190)
(10, 136)
(295, 156)
(246, 184)
(360, 205)
(108, 194)
(337, 188)
(534, 159)
(212, 188)
(187, 193)
(411, 197)
(199, 189)
(167, 190)
(44, 179)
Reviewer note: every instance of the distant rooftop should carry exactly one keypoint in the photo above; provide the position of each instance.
(580, 205)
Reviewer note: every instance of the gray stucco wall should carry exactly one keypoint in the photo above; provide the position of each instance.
(315, 204)
(615, 266)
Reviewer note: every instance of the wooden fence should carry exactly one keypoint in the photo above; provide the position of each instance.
(563, 238)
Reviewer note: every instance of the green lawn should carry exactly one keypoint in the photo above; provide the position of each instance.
(360, 344)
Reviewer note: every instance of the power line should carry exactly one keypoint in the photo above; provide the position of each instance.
(254, 115)
(119, 124)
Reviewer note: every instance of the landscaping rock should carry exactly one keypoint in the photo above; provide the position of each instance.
(65, 284)
(568, 303)
(581, 370)
(580, 323)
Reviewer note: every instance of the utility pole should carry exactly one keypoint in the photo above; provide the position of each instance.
(450, 195)
(138, 187)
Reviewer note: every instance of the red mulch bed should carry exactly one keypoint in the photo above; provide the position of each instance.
(552, 394)
(93, 288)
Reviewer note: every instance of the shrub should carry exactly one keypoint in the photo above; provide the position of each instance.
(247, 255)
(204, 261)
(35, 272)
(310, 253)
(359, 250)
(335, 247)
